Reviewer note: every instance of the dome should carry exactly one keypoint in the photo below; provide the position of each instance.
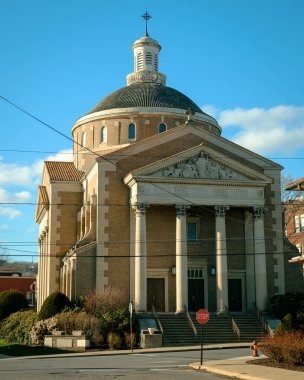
(145, 94)
(146, 40)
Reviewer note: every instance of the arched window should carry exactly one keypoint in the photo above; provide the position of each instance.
(140, 61)
(162, 128)
(83, 139)
(103, 134)
(132, 131)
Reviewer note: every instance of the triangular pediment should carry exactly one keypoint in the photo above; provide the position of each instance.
(42, 203)
(200, 163)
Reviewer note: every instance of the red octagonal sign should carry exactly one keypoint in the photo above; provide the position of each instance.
(202, 316)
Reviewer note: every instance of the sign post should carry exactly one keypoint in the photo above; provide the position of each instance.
(202, 317)
(131, 332)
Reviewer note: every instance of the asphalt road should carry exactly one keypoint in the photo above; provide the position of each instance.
(154, 366)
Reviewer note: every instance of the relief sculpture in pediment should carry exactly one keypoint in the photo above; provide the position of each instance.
(200, 166)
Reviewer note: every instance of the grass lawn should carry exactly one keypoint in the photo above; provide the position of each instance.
(17, 349)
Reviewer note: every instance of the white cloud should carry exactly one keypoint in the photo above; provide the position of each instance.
(9, 212)
(6, 197)
(3, 226)
(276, 129)
(22, 175)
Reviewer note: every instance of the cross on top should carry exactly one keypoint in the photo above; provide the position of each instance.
(147, 17)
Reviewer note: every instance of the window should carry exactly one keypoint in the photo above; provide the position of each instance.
(192, 230)
(162, 128)
(195, 273)
(155, 62)
(299, 223)
(131, 131)
(103, 134)
(140, 61)
(83, 139)
(148, 58)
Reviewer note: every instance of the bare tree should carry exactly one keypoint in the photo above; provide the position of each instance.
(4, 257)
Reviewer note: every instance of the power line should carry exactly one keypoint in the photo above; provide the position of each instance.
(149, 156)
(105, 158)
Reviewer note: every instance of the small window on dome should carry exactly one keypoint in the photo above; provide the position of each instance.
(83, 139)
(148, 58)
(140, 61)
(162, 128)
(131, 131)
(103, 134)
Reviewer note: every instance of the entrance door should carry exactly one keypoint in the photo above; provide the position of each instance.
(235, 294)
(156, 294)
(195, 294)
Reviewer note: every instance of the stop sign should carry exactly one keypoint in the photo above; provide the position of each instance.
(202, 316)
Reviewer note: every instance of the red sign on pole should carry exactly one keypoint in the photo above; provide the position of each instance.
(202, 316)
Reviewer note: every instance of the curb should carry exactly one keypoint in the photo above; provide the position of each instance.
(236, 375)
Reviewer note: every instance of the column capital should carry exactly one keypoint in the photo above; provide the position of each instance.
(181, 210)
(220, 211)
(258, 212)
(139, 208)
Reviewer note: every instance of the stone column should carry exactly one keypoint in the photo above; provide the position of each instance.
(221, 258)
(140, 257)
(181, 258)
(260, 258)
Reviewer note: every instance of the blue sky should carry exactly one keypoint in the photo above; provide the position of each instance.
(240, 60)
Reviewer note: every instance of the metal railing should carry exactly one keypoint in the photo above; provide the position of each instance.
(157, 320)
(191, 322)
(262, 320)
(235, 328)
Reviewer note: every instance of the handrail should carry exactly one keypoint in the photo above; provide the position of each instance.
(190, 321)
(262, 320)
(235, 328)
(157, 320)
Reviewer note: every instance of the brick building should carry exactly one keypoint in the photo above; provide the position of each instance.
(294, 220)
(158, 203)
(13, 280)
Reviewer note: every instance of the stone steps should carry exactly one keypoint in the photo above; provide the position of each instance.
(177, 329)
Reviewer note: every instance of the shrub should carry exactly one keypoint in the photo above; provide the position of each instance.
(130, 339)
(70, 321)
(53, 305)
(10, 302)
(42, 328)
(288, 347)
(17, 327)
(117, 320)
(108, 300)
(287, 324)
(288, 303)
(98, 341)
(114, 341)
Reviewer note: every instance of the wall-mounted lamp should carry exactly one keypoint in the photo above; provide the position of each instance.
(212, 271)
(173, 270)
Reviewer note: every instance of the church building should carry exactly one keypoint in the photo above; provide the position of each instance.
(158, 203)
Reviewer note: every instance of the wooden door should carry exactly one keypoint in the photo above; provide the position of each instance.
(235, 294)
(156, 294)
(195, 294)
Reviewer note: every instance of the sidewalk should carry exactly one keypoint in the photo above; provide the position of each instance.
(240, 369)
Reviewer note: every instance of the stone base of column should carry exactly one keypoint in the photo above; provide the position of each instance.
(180, 311)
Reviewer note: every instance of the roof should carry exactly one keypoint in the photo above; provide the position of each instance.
(63, 171)
(146, 94)
(297, 185)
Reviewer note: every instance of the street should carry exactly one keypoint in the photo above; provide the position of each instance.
(156, 366)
